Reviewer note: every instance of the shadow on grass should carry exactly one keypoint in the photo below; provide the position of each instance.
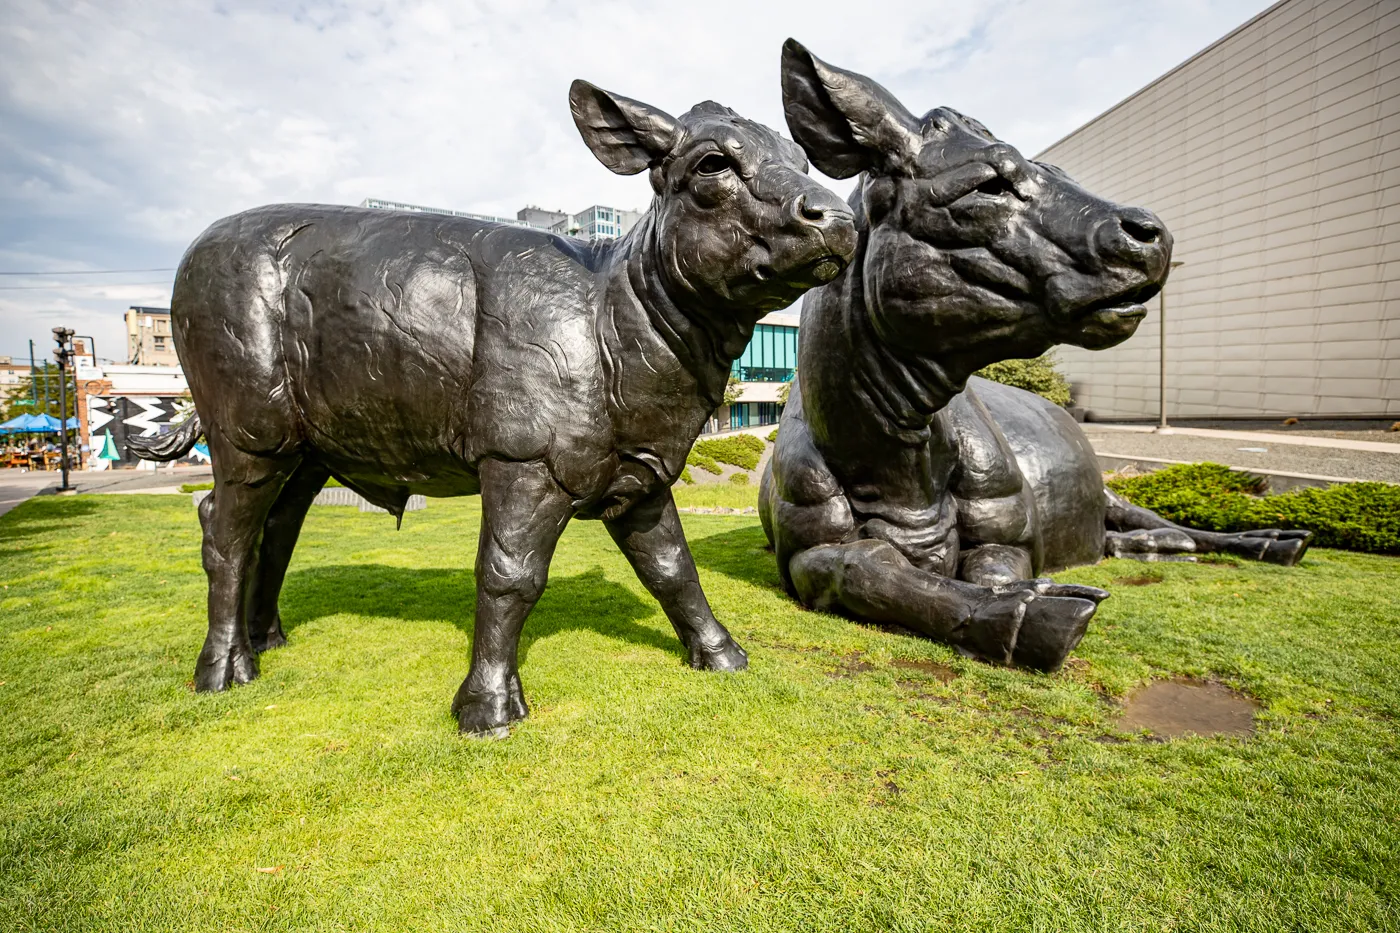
(40, 515)
(584, 601)
(741, 554)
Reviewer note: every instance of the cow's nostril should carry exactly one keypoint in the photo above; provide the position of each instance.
(1144, 231)
(808, 212)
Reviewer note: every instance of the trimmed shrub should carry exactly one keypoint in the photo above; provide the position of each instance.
(739, 479)
(685, 476)
(773, 436)
(740, 450)
(1353, 516)
(696, 459)
(1038, 375)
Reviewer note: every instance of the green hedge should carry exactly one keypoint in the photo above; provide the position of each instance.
(1354, 516)
(1038, 375)
(773, 436)
(740, 450)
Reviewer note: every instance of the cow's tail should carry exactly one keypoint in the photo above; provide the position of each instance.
(170, 446)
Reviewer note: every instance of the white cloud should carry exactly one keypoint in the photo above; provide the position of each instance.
(128, 127)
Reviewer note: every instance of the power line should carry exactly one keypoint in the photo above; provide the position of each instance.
(26, 288)
(91, 271)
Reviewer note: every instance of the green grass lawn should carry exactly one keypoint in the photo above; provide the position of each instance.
(828, 788)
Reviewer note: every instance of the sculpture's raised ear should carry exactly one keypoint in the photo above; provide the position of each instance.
(626, 135)
(846, 122)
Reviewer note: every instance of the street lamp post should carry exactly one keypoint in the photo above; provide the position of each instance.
(63, 336)
(1162, 427)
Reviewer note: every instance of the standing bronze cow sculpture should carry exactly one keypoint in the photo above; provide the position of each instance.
(413, 353)
(904, 490)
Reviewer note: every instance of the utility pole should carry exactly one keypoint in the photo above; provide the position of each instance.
(63, 336)
(33, 378)
(1162, 426)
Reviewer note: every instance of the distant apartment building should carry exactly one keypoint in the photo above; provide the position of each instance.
(12, 373)
(1273, 156)
(598, 222)
(149, 341)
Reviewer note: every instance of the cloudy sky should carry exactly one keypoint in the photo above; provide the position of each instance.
(126, 128)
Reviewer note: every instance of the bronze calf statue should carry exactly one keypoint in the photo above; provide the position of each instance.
(411, 353)
(899, 490)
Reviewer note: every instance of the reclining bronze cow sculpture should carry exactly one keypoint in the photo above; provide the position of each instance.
(902, 489)
(417, 353)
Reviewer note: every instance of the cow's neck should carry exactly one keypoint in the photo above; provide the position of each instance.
(666, 353)
(704, 339)
(874, 412)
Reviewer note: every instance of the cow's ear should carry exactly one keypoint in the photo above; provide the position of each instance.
(847, 123)
(626, 135)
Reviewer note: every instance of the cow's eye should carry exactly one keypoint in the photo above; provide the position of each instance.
(712, 164)
(996, 186)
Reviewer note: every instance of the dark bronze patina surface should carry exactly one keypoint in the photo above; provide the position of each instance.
(411, 353)
(905, 490)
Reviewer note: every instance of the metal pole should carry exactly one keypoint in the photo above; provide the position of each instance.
(1162, 426)
(33, 378)
(63, 425)
(1162, 353)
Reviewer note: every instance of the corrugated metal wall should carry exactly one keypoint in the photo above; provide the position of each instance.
(1274, 158)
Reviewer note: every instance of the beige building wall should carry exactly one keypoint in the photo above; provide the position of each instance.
(1274, 158)
(149, 339)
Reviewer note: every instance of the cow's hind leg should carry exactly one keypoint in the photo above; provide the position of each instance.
(233, 516)
(279, 539)
(523, 512)
(1142, 534)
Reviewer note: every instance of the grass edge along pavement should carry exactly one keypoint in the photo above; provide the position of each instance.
(852, 779)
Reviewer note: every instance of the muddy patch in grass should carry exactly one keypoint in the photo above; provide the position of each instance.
(934, 670)
(1143, 579)
(849, 666)
(1173, 708)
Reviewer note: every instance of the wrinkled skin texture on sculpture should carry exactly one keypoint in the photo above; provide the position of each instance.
(415, 353)
(899, 490)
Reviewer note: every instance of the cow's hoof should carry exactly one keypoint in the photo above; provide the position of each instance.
(219, 669)
(488, 714)
(271, 637)
(1052, 627)
(1285, 548)
(727, 656)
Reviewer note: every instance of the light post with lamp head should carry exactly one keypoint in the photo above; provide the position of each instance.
(1162, 426)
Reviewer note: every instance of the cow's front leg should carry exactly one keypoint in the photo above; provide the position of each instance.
(523, 512)
(650, 536)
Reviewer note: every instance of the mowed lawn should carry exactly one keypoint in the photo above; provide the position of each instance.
(827, 788)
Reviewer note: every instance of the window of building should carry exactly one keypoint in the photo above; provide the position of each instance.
(160, 343)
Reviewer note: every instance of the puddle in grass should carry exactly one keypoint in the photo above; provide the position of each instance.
(939, 672)
(1145, 579)
(1173, 708)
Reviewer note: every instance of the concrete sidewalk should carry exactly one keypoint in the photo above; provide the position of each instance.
(1269, 437)
(1326, 459)
(16, 486)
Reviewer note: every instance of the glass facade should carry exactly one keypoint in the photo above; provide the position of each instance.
(753, 414)
(771, 355)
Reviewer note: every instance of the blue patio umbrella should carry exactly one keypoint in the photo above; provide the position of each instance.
(15, 425)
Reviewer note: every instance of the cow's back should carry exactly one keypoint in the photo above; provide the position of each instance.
(355, 332)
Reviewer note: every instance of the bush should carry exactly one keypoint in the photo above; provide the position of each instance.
(740, 450)
(1354, 516)
(703, 462)
(739, 479)
(685, 476)
(773, 436)
(1037, 375)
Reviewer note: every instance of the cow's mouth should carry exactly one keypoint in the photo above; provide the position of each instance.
(1124, 306)
(818, 271)
(1111, 320)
